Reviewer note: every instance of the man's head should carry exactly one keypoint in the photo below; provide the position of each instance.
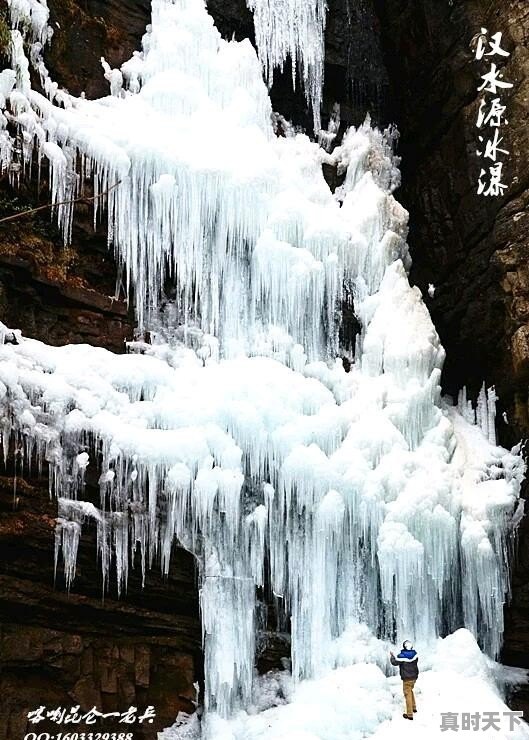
(407, 645)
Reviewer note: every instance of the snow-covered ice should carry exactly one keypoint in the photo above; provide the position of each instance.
(368, 508)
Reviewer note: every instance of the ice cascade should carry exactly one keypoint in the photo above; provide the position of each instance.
(352, 501)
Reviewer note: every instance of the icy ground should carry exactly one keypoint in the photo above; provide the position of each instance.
(358, 700)
(358, 503)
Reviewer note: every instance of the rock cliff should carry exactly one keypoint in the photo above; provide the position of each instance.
(473, 249)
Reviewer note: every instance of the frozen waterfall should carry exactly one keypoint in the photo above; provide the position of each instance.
(366, 508)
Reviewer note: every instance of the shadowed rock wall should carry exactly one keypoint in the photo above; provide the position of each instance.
(474, 249)
(60, 649)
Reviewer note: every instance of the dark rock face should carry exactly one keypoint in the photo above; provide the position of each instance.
(86, 30)
(55, 293)
(474, 249)
(62, 650)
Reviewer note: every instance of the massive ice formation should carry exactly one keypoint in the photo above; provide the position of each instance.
(349, 499)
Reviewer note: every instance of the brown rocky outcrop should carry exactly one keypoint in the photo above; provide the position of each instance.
(55, 293)
(85, 31)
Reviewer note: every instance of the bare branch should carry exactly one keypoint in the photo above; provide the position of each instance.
(55, 205)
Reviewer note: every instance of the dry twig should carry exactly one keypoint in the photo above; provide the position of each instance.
(55, 205)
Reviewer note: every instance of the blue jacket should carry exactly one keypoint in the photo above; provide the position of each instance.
(407, 661)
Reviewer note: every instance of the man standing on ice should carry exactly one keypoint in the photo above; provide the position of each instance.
(407, 661)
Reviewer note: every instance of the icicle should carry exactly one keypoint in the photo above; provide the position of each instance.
(227, 604)
(326, 138)
(491, 414)
(295, 29)
(482, 412)
(484, 415)
(114, 77)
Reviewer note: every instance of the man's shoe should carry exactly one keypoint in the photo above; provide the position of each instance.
(414, 711)
(406, 716)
